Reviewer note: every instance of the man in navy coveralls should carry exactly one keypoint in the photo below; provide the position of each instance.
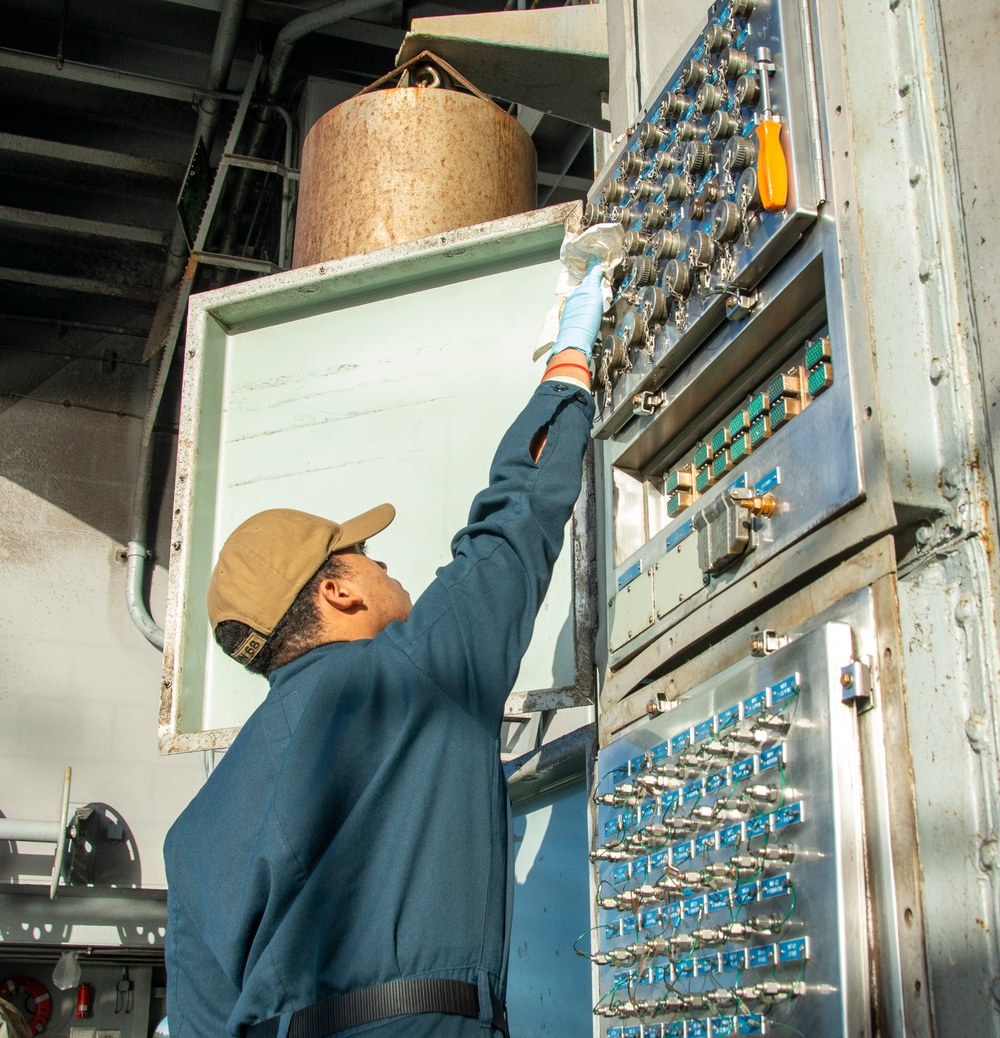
(347, 867)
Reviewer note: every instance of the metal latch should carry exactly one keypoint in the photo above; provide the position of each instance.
(763, 643)
(856, 684)
(739, 305)
(646, 402)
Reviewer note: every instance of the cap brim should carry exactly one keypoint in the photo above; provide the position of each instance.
(363, 526)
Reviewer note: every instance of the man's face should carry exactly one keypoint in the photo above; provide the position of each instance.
(385, 598)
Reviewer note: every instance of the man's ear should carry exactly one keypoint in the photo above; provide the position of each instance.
(339, 594)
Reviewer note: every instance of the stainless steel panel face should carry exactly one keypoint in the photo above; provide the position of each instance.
(675, 177)
(677, 576)
(632, 609)
(809, 464)
(759, 848)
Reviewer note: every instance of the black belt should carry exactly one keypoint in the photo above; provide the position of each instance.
(381, 1002)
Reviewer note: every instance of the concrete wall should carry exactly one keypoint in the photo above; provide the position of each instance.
(78, 683)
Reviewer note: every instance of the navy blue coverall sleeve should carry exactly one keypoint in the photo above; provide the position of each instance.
(468, 632)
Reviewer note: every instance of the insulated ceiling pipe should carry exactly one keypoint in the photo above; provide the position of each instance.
(230, 19)
(290, 34)
(227, 33)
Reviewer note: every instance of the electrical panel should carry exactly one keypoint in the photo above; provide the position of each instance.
(727, 426)
(713, 187)
(729, 857)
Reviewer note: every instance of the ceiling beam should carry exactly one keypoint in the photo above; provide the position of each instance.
(87, 286)
(73, 225)
(15, 144)
(115, 79)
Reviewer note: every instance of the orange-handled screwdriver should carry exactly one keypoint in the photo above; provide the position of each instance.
(772, 167)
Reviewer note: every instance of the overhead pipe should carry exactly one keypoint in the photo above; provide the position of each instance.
(289, 35)
(223, 50)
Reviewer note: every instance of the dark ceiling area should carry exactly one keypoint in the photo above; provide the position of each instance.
(101, 104)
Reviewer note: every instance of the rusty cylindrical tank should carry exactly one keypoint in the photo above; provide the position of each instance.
(395, 165)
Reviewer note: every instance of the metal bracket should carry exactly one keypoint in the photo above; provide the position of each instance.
(856, 685)
(764, 642)
(739, 305)
(646, 402)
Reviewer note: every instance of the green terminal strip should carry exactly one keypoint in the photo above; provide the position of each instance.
(783, 385)
(704, 479)
(678, 502)
(702, 455)
(760, 430)
(779, 414)
(758, 405)
(740, 446)
(673, 481)
(817, 351)
(721, 464)
(720, 440)
(738, 423)
(821, 378)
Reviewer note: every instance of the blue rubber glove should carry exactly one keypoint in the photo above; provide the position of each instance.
(581, 315)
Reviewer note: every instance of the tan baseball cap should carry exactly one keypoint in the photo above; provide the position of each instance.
(269, 558)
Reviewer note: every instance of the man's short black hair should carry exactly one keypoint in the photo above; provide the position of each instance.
(297, 631)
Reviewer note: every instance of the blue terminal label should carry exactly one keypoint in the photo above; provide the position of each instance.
(623, 978)
(749, 1023)
(621, 772)
(680, 534)
(620, 874)
(669, 801)
(793, 951)
(741, 770)
(684, 968)
(755, 703)
(661, 974)
(635, 1031)
(672, 913)
(734, 961)
(697, 1029)
(726, 718)
(647, 810)
(628, 815)
(649, 918)
(786, 816)
(613, 930)
(672, 1030)
(705, 843)
(703, 731)
(717, 901)
(681, 852)
(681, 741)
(774, 886)
(692, 791)
(630, 574)
(746, 892)
(629, 924)
(784, 689)
(658, 861)
(694, 906)
(706, 964)
(771, 757)
(721, 1026)
(659, 752)
(716, 781)
(636, 764)
(763, 955)
(615, 1032)
(754, 827)
(769, 482)
(731, 835)
(613, 825)
(639, 866)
